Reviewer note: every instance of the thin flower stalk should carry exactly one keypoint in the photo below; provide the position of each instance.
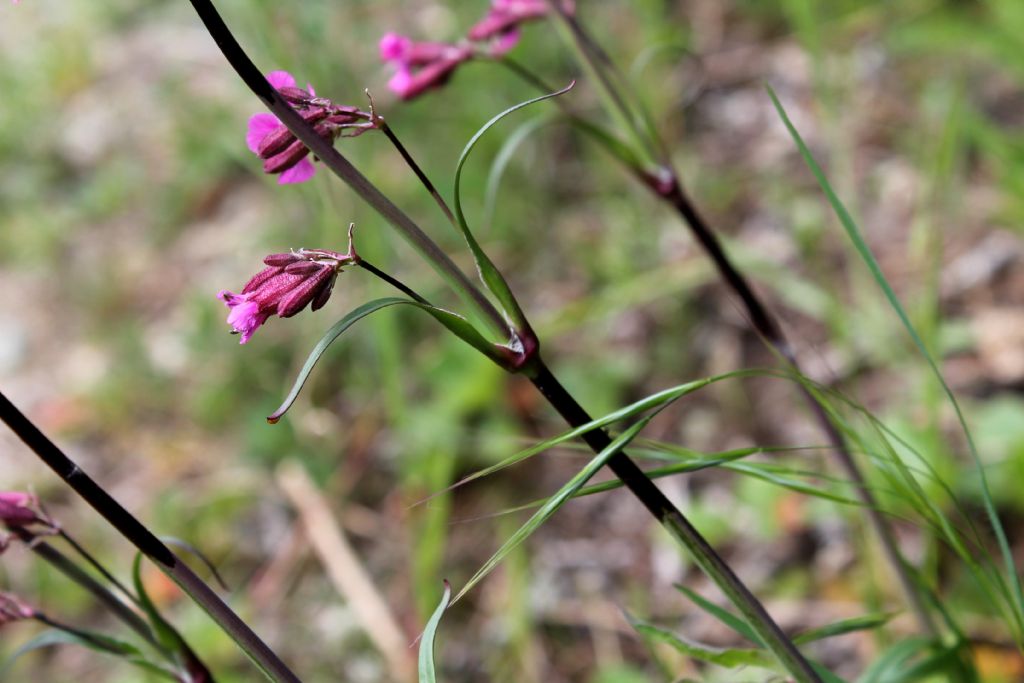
(147, 543)
(76, 574)
(344, 169)
(667, 514)
(659, 175)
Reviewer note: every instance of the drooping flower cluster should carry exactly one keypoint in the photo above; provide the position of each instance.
(288, 284)
(422, 66)
(281, 152)
(505, 16)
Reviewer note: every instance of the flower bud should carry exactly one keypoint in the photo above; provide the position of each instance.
(19, 509)
(288, 284)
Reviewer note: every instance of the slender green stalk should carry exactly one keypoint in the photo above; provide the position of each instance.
(147, 543)
(97, 565)
(596, 65)
(72, 571)
(678, 526)
(664, 181)
(664, 511)
(344, 169)
(420, 174)
(397, 284)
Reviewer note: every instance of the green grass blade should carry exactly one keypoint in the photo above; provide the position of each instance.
(723, 615)
(727, 657)
(854, 233)
(556, 501)
(655, 400)
(864, 622)
(723, 460)
(489, 273)
(501, 162)
(166, 635)
(425, 663)
(93, 641)
(455, 323)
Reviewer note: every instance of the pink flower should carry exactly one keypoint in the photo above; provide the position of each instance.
(503, 19)
(281, 152)
(420, 66)
(288, 284)
(265, 124)
(19, 509)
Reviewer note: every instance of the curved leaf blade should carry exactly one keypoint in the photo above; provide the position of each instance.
(864, 251)
(198, 554)
(489, 273)
(556, 501)
(425, 663)
(727, 657)
(94, 641)
(455, 323)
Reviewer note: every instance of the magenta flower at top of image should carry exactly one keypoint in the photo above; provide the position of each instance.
(503, 19)
(282, 153)
(420, 66)
(288, 284)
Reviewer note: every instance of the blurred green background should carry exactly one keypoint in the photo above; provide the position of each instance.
(128, 199)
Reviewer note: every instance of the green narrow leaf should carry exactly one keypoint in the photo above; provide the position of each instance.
(489, 274)
(864, 622)
(165, 633)
(426, 653)
(656, 473)
(556, 501)
(661, 398)
(727, 657)
(886, 668)
(723, 615)
(854, 233)
(179, 651)
(191, 549)
(501, 162)
(456, 324)
(94, 641)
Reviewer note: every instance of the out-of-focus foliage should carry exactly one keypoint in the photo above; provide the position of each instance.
(128, 199)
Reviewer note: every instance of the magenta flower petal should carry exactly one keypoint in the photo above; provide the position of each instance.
(245, 316)
(16, 508)
(394, 47)
(400, 82)
(506, 41)
(281, 79)
(299, 173)
(260, 126)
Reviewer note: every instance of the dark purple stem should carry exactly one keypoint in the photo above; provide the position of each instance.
(342, 167)
(667, 514)
(148, 544)
(76, 574)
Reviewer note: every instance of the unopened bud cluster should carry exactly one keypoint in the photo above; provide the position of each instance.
(422, 66)
(285, 155)
(288, 284)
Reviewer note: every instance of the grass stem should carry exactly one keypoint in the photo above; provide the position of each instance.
(147, 543)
